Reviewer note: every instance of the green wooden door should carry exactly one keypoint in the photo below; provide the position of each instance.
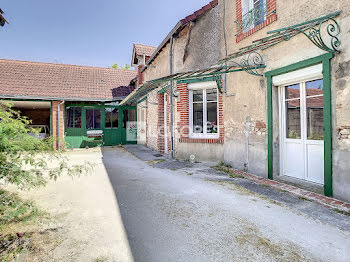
(129, 128)
(112, 129)
(74, 135)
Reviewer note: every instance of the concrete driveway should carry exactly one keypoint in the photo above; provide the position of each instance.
(194, 214)
(149, 211)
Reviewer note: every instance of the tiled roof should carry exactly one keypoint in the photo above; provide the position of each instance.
(59, 81)
(144, 49)
(180, 25)
(199, 12)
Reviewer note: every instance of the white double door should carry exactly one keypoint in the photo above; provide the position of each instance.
(301, 130)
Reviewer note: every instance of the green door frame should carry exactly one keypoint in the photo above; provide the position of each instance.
(327, 112)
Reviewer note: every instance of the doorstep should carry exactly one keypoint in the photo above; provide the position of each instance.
(312, 196)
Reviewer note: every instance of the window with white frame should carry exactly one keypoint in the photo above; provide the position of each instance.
(203, 99)
(253, 13)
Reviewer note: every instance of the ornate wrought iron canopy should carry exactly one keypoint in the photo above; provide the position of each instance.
(250, 64)
(323, 32)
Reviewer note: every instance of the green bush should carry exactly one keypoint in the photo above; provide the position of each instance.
(24, 160)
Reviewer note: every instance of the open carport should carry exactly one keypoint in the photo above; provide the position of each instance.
(39, 112)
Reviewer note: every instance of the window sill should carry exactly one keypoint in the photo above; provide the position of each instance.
(216, 140)
(271, 18)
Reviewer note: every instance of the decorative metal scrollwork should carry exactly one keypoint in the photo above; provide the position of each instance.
(152, 98)
(251, 63)
(322, 32)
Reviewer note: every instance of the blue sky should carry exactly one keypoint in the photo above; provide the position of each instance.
(86, 32)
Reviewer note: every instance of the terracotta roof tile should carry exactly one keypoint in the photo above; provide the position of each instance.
(46, 80)
(144, 49)
(199, 12)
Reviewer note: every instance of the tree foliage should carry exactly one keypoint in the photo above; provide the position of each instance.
(116, 66)
(27, 161)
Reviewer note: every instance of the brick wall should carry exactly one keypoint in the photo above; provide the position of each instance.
(161, 121)
(271, 7)
(54, 126)
(183, 124)
(160, 142)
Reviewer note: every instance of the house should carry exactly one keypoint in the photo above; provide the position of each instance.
(71, 100)
(194, 44)
(261, 85)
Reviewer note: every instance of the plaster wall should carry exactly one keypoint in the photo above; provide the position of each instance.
(248, 104)
(201, 42)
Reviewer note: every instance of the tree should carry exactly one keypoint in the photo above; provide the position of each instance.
(126, 67)
(25, 160)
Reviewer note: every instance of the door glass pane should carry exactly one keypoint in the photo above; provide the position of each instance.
(314, 88)
(314, 115)
(293, 91)
(89, 118)
(197, 95)
(198, 118)
(97, 118)
(115, 122)
(69, 117)
(293, 124)
(132, 115)
(211, 95)
(212, 117)
(125, 117)
(108, 117)
(128, 116)
(77, 117)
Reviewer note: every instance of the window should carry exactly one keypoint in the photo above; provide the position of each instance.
(203, 111)
(73, 117)
(304, 110)
(93, 118)
(128, 116)
(111, 118)
(253, 13)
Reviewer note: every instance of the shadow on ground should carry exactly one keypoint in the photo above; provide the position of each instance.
(133, 174)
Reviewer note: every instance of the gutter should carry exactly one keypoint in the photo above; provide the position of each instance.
(48, 98)
(179, 26)
(162, 45)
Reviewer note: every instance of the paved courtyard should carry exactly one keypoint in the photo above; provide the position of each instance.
(154, 209)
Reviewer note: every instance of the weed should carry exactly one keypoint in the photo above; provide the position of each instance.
(304, 198)
(100, 259)
(227, 169)
(343, 212)
(13, 209)
(154, 162)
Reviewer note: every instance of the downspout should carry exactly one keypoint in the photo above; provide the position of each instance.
(59, 124)
(171, 98)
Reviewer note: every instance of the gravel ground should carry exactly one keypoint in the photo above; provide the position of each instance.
(85, 212)
(130, 209)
